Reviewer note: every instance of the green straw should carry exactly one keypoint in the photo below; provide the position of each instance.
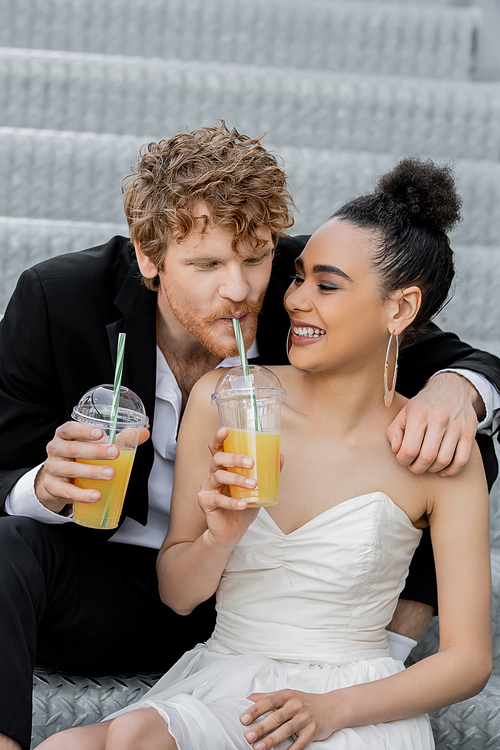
(246, 371)
(116, 386)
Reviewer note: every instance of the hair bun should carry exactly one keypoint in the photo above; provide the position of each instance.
(425, 192)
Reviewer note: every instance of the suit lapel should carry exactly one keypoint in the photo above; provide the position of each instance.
(137, 304)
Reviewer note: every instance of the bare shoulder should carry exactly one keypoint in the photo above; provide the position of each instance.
(469, 486)
(205, 386)
(289, 377)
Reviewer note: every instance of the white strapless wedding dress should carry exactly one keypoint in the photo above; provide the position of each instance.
(305, 610)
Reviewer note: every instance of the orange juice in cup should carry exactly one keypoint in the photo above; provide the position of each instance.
(95, 408)
(253, 416)
(264, 448)
(106, 512)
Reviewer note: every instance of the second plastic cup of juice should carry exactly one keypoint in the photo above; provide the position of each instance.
(253, 416)
(95, 408)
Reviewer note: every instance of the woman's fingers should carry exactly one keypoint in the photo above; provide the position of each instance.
(216, 500)
(211, 497)
(231, 460)
(222, 458)
(278, 725)
(286, 713)
(217, 442)
(220, 474)
(225, 477)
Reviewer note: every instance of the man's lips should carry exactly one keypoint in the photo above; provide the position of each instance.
(229, 321)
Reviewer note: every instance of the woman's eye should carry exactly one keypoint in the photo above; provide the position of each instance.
(297, 279)
(327, 287)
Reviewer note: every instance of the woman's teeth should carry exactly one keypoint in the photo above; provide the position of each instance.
(309, 332)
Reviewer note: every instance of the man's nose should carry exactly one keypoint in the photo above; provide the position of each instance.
(234, 286)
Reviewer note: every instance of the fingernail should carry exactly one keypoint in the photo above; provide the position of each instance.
(247, 462)
(107, 472)
(250, 482)
(95, 496)
(250, 736)
(259, 746)
(443, 474)
(112, 451)
(96, 433)
(245, 718)
(393, 442)
(241, 504)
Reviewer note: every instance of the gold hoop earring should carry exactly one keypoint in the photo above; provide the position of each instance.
(289, 341)
(389, 392)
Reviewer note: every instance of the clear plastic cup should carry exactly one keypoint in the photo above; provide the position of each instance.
(95, 408)
(253, 417)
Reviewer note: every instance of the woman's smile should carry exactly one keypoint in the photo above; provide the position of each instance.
(303, 334)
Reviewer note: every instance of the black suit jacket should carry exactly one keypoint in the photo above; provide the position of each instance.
(59, 338)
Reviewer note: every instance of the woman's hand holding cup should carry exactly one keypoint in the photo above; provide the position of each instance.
(227, 518)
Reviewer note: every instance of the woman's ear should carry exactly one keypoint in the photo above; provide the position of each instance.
(403, 307)
(147, 269)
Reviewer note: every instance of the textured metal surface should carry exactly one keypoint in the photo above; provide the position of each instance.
(105, 94)
(61, 701)
(473, 724)
(323, 34)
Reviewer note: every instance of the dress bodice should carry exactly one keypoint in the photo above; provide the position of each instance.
(323, 593)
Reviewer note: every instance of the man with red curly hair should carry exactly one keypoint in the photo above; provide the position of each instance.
(206, 210)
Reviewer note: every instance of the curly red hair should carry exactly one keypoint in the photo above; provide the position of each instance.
(243, 185)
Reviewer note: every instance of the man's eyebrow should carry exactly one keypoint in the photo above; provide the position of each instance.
(322, 268)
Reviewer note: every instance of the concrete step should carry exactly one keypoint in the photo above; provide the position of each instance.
(25, 242)
(440, 3)
(77, 177)
(472, 311)
(112, 94)
(361, 37)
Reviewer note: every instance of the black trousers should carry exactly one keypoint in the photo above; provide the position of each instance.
(81, 605)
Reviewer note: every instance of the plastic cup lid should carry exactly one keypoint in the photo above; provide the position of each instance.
(96, 404)
(234, 384)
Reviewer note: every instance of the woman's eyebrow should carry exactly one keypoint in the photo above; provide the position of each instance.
(322, 268)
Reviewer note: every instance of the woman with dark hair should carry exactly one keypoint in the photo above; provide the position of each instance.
(306, 588)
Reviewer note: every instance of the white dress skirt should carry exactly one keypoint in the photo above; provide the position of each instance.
(306, 611)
